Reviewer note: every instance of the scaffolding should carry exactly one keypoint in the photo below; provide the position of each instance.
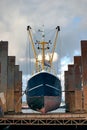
(47, 119)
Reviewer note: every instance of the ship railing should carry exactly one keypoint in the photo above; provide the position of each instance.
(47, 69)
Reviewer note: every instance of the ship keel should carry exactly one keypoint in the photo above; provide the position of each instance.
(44, 104)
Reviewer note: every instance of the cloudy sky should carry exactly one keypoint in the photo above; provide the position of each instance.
(70, 15)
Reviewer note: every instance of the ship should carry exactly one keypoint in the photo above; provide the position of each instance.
(43, 92)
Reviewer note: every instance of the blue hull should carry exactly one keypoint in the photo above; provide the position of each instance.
(43, 92)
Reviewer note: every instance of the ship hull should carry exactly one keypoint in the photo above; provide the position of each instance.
(43, 92)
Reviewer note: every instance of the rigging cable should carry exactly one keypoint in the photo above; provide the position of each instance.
(61, 69)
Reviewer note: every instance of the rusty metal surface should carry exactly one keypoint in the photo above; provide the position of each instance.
(47, 119)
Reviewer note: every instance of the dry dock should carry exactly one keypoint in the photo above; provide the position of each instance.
(11, 93)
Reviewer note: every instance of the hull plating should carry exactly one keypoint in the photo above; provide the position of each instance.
(43, 92)
(44, 104)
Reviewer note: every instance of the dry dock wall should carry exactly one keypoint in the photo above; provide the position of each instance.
(73, 93)
(3, 73)
(10, 86)
(84, 72)
(76, 82)
(17, 89)
(10, 81)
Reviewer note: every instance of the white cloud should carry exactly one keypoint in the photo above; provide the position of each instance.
(70, 15)
(16, 15)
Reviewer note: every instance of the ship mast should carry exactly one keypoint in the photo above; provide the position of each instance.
(43, 47)
(55, 41)
(31, 40)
